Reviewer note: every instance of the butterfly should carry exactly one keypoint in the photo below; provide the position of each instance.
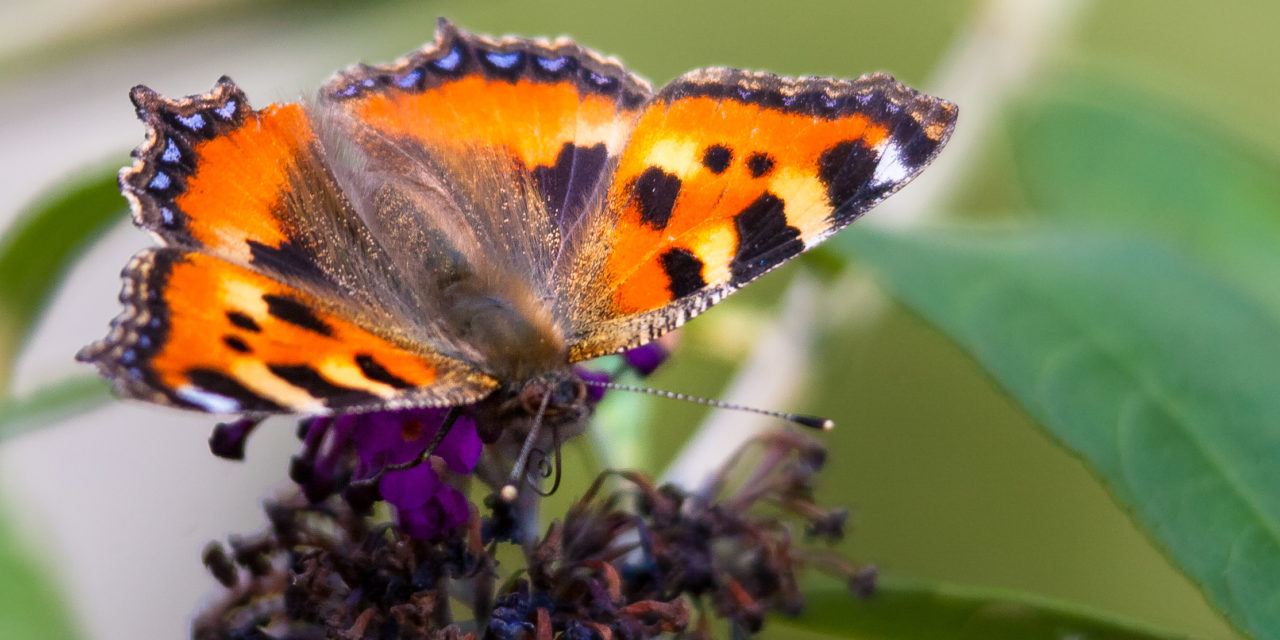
(462, 225)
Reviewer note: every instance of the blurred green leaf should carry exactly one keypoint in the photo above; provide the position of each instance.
(51, 403)
(1160, 375)
(30, 606)
(40, 247)
(902, 610)
(1107, 156)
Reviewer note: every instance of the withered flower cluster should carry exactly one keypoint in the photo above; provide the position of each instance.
(358, 552)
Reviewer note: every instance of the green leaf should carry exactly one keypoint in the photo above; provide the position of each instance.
(1107, 156)
(37, 251)
(51, 403)
(30, 606)
(904, 610)
(1163, 377)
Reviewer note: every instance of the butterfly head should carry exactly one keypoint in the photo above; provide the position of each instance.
(560, 396)
(563, 394)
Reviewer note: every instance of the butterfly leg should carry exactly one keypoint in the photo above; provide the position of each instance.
(543, 470)
(368, 485)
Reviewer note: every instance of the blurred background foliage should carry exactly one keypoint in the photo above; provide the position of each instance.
(1114, 226)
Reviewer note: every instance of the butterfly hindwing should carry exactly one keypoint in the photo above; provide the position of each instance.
(727, 175)
(198, 331)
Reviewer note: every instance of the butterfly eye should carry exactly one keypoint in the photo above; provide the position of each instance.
(531, 396)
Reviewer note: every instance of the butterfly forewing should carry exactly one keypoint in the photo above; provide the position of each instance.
(474, 158)
(518, 134)
(727, 175)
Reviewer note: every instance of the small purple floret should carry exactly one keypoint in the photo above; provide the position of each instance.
(395, 437)
(425, 505)
(228, 438)
(646, 358)
(594, 393)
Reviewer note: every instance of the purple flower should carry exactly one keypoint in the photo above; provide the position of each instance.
(398, 436)
(594, 393)
(228, 438)
(351, 454)
(425, 505)
(645, 358)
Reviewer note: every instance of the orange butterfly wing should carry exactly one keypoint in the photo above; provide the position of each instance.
(727, 175)
(555, 108)
(201, 332)
(257, 236)
(501, 144)
(497, 147)
(405, 197)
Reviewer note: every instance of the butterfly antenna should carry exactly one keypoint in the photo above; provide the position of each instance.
(812, 422)
(509, 490)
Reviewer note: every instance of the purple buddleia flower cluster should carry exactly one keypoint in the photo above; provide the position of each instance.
(352, 453)
(630, 559)
(424, 504)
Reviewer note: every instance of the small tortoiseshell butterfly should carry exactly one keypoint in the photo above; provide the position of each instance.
(460, 226)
